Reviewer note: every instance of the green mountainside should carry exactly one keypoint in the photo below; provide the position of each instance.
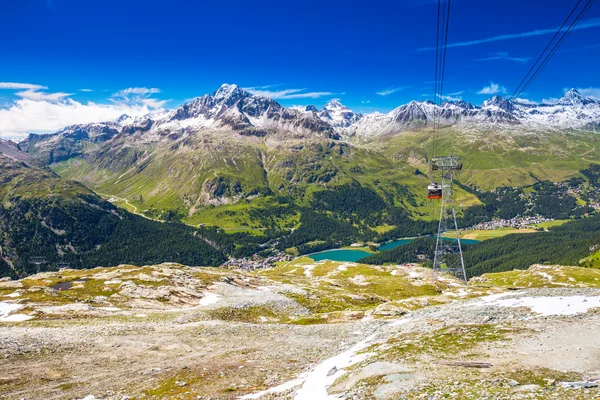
(43, 215)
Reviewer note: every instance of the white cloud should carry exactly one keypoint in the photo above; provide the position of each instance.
(494, 88)
(590, 23)
(27, 115)
(154, 103)
(365, 101)
(389, 91)
(42, 112)
(137, 96)
(42, 96)
(450, 97)
(85, 90)
(551, 100)
(526, 101)
(503, 56)
(590, 92)
(140, 91)
(21, 86)
(33, 92)
(287, 93)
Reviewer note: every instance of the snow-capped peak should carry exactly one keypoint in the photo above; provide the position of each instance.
(499, 102)
(229, 94)
(338, 114)
(572, 98)
(335, 104)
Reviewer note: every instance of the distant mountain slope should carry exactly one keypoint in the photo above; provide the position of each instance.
(232, 147)
(12, 150)
(43, 215)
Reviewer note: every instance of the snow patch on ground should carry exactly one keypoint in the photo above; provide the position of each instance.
(313, 384)
(547, 305)
(209, 299)
(308, 269)
(6, 310)
(109, 308)
(359, 280)
(13, 294)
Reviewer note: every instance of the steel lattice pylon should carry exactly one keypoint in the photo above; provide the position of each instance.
(448, 251)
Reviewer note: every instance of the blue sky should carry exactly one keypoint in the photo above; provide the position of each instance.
(372, 55)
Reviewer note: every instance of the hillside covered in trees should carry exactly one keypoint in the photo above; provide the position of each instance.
(42, 215)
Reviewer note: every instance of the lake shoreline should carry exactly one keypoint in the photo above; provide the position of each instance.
(346, 254)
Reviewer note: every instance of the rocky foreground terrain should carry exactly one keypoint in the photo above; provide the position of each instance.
(302, 330)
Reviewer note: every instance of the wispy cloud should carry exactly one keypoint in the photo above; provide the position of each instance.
(494, 88)
(503, 56)
(138, 95)
(451, 96)
(590, 23)
(287, 93)
(365, 102)
(551, 100)
(21, 86)
(142, 91)
(526, 101)
(389, 91)
(85, 90)
(42, 96)
(33, 91)
(590, 92)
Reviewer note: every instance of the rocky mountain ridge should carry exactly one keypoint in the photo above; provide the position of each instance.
(231, 108)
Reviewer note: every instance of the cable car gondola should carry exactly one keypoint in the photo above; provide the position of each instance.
(434, 191)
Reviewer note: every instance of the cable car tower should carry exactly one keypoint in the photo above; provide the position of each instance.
(448, 256)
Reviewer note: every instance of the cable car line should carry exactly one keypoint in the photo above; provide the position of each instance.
(556, 46)
(543, 63)
(544, 51)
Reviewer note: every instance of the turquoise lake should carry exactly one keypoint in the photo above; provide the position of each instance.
(355, 255)
(340, 255)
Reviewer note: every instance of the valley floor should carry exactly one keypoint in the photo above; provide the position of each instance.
(172, 332)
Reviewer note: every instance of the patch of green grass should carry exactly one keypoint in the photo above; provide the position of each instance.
(173, 387)
(550, 224)
(250, 314)
(541, 376)
(325, 301)
(66, 386)
(543, 276)
(445, 342)
(492, 234)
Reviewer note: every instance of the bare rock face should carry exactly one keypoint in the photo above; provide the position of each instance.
(176, 295)
(133, 291)
(390, 310)
(11, 285)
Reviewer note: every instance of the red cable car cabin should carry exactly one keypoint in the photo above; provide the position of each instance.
(434, 191)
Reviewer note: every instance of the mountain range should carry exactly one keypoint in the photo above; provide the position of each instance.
(245, 163)
(232, 108)
(236, 150)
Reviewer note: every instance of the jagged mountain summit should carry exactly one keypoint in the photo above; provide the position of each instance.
(338, 115)
(231, 108)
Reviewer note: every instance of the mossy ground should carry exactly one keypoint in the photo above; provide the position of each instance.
(455, 341)
(543, 276)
